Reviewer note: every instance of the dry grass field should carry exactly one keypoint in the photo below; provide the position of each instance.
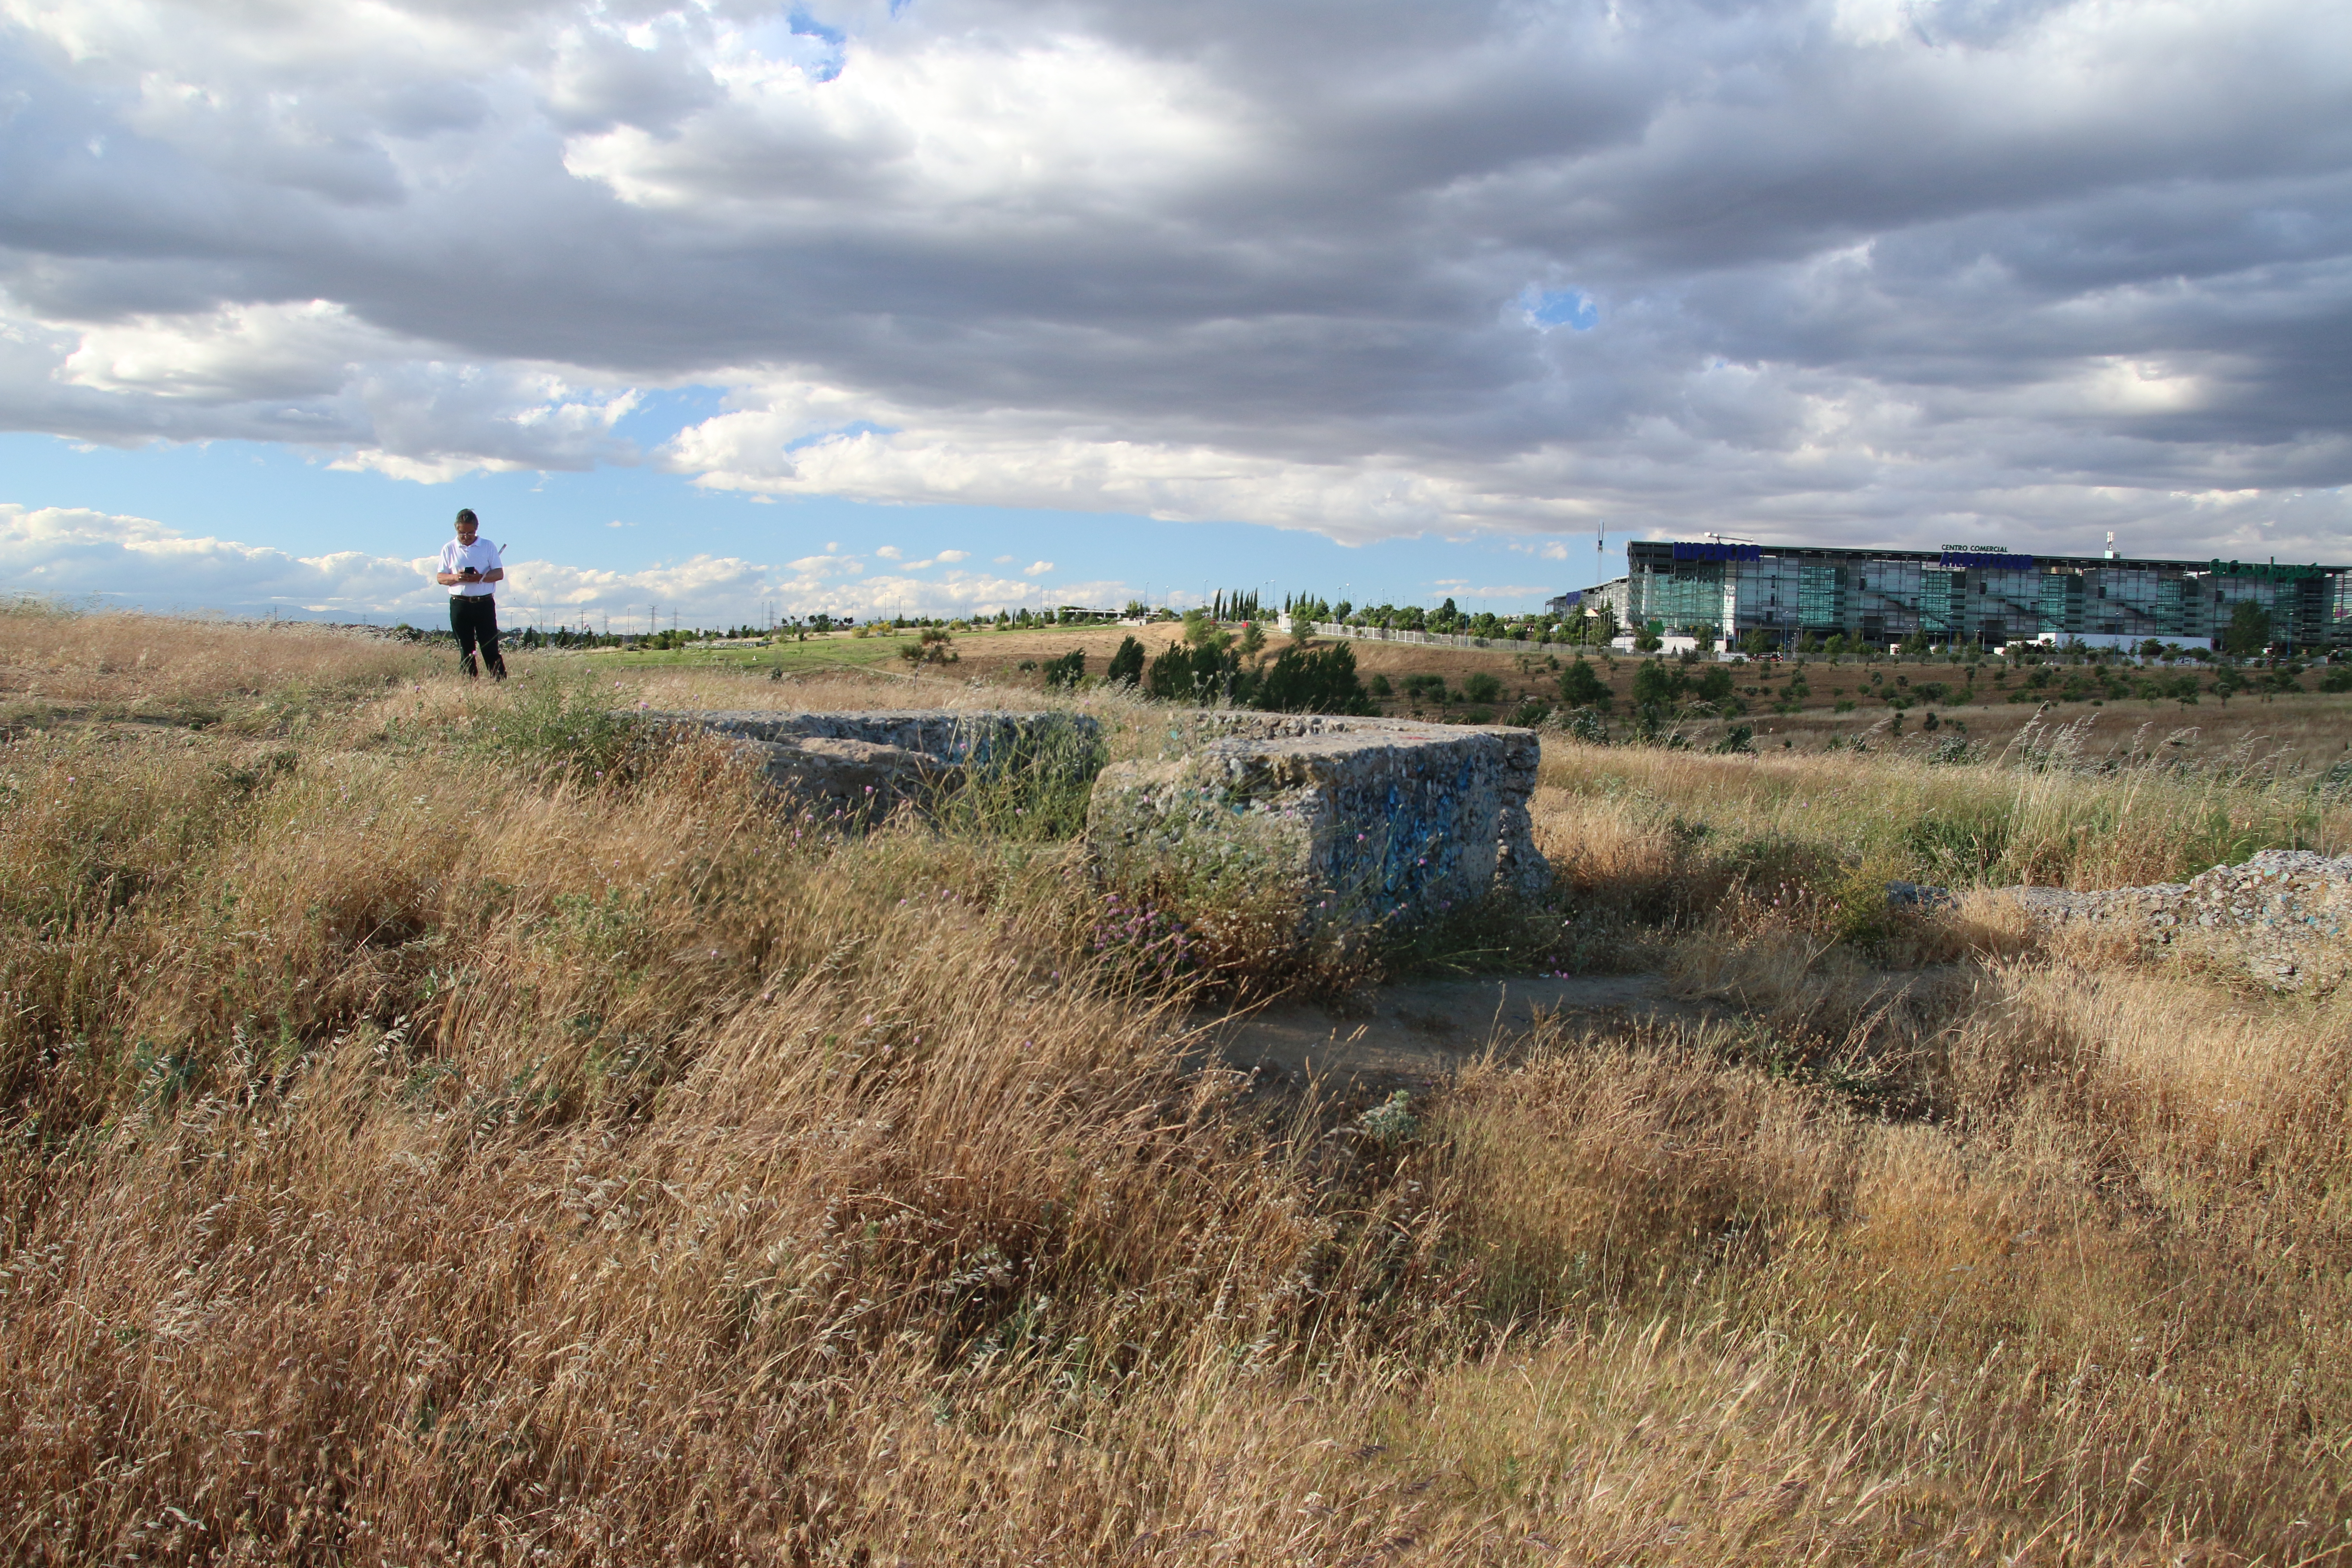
(188, 672)
(2073, 814)
(437, 1127)
(1788, 706)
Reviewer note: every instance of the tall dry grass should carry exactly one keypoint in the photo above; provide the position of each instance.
(56, 660)
(406, 1165)
(2097, 1308)
(1653, 822)
(415, 1152)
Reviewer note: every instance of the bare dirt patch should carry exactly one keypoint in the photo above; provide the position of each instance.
(1421, 1030)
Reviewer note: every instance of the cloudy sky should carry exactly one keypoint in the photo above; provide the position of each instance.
(942, 304)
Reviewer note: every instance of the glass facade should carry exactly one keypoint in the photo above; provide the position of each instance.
(1820, 597)
(1973, 595)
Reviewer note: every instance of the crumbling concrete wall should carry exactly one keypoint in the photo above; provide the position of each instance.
(866, 765)
(2284, 914)
(1366, 820)
(1373, 821)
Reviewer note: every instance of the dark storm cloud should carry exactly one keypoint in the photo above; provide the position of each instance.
(1865, 269)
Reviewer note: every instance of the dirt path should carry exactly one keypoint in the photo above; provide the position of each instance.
(1422, 1029)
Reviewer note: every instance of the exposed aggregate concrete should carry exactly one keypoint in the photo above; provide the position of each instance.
(1373, 821)
(859, 766)
(1376, 821)
(2286, 912)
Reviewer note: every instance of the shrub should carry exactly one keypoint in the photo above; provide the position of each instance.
(1581, 688)
(1068, 670)
(1304, 679)
(935, 645)
(1203, 672)
(1657, 683)
(1482, 685)
(2249, 631)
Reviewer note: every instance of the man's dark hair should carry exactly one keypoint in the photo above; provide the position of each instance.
(466, 514)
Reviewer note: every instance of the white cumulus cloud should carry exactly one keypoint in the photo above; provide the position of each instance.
(111, 558)
(72, 553)
(1837, 268)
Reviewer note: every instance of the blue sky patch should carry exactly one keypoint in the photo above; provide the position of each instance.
(808, 26)
(801, 38)
(856, 427)
(1570, 308)
(662, 412)
(631, 520)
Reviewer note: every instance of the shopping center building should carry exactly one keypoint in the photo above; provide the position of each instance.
(1726, 589)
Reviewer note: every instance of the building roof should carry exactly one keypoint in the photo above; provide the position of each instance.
(1644, 550)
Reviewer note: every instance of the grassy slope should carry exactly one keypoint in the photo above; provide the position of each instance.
(980, 652)
(2311, 728)
(1629, 816)
(411, 1155)
(818, 652)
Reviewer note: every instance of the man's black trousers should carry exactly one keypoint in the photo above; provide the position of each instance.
(475, 618)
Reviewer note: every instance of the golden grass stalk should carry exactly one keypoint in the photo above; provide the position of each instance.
(413, 1157)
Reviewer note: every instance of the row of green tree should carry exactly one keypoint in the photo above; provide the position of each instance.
(1449, 620)
(1214, 666)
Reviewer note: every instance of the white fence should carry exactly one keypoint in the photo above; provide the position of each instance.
(1672, 643)
(1435, 640)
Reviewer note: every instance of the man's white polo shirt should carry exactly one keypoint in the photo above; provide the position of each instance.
(481, 555)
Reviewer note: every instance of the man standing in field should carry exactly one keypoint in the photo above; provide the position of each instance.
(471, 570)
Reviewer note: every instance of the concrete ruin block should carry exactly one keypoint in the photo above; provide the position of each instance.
(945, 735)
(1364, 821)
(866, 765)
(2284, 914)
(1370, 821)
(835, 776)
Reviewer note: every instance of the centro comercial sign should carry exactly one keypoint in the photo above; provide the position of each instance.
(1985, 558)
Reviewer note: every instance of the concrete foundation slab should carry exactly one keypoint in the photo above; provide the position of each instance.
(1354, 822)
(866, 765)
(1368, 821)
